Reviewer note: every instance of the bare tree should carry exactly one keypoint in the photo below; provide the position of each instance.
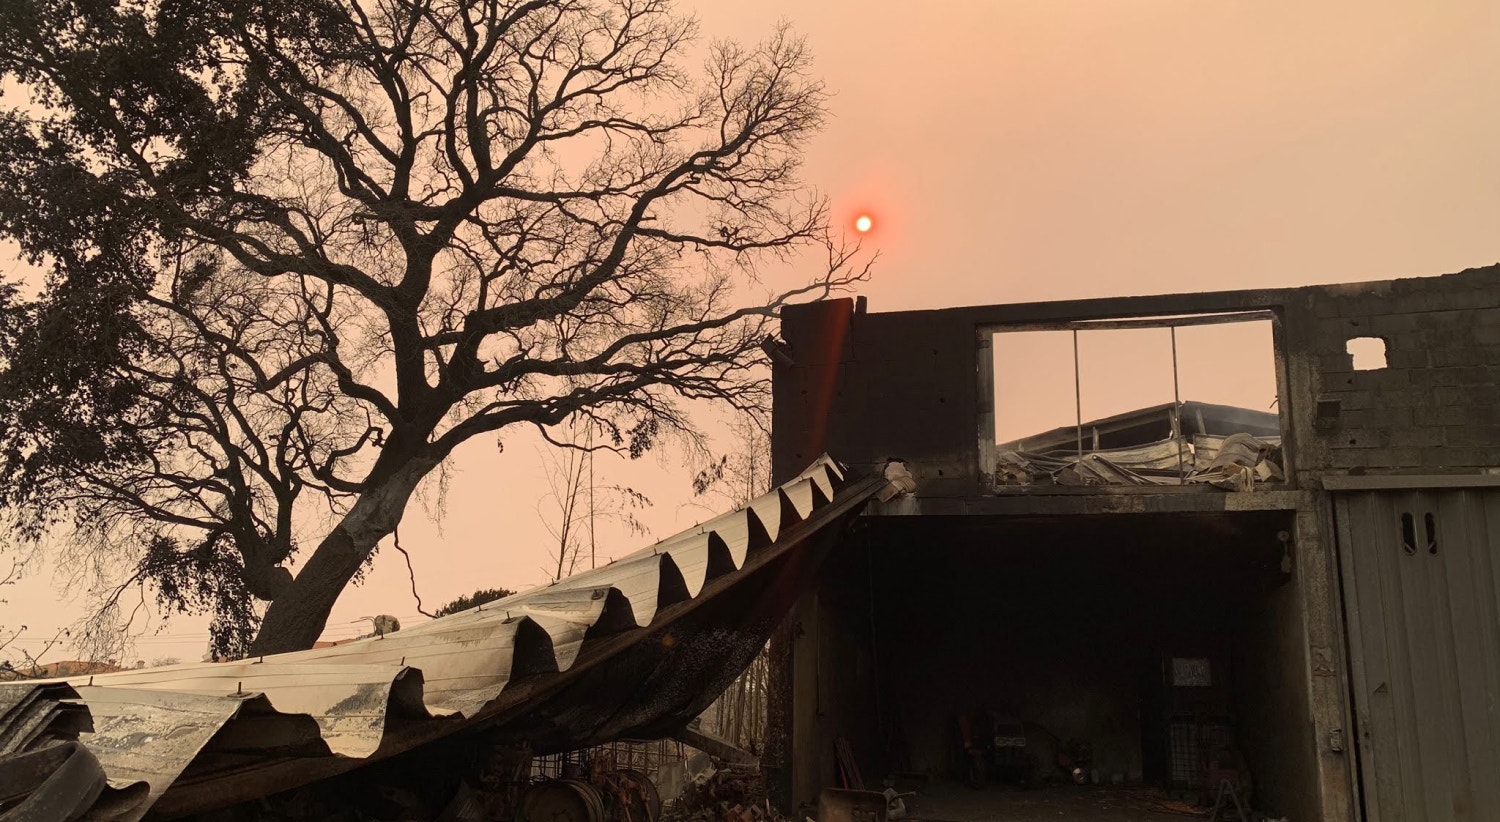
(742, 471)
(575, 504)
(739, 714)
(9, 636)
(298, 251)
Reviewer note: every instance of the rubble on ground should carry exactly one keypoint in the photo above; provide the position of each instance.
(731, 793)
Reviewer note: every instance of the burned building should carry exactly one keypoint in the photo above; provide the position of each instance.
(1302, 594)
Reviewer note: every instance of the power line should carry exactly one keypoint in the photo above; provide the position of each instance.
(351, 629)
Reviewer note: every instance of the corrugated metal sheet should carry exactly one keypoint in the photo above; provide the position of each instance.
(638, 646)
(1145, 425)
(1421, 572)
(44, 773)
(35, 714)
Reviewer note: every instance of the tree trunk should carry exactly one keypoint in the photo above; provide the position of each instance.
(296, 618)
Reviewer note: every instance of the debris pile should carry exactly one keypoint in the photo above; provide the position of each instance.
(1237, 462)
(1180, 443)
(732, 793)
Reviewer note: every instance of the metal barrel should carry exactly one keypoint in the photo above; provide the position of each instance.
(562, 800)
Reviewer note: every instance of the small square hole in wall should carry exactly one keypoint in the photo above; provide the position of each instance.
(1368, 353)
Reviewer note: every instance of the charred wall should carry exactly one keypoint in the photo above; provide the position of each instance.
(1434, 407)
(1064, 621)
(904, 384)
(870, 386)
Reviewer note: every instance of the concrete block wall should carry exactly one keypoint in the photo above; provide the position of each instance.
(1434, 407)
(904, 384)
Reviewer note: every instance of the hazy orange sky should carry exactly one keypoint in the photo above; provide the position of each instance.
(1015, 150)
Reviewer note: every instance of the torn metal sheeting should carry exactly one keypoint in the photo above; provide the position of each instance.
(1236, 462)
(638, 646)
(1206, 448)
(1147, 425)
(35, 714)
(44, 772)
(350, 701)
(150, 736)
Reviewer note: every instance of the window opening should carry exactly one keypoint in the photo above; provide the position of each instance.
(1368, 353)
(1155, 401)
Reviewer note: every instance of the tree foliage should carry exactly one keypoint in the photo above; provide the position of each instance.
(295, 252)
(473, 600)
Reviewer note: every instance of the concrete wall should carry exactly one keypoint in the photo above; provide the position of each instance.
(861, 380)
(1434, 408)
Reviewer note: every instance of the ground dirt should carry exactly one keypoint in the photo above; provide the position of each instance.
(944, 802)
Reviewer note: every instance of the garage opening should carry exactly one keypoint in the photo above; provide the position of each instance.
(1102, 667)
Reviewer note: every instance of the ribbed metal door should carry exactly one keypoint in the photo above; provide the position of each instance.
(1422, 598)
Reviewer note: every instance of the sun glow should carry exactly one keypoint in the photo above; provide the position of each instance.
(863, 224)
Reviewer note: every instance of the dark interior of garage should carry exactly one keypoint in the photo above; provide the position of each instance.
(988, 661)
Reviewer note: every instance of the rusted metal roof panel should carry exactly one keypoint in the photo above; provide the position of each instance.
(638, 646)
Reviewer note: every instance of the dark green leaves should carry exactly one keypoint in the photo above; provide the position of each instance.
(204, 578)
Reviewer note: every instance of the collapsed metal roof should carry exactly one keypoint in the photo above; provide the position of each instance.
(1172, 444)
(1145, 426)
(637, 647)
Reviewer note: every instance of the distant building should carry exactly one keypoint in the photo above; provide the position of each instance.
(56, 670)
